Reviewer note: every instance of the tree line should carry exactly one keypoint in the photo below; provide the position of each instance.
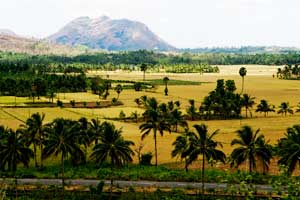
(18, 62)
(251, 147)
(46, 85)
(70, 139)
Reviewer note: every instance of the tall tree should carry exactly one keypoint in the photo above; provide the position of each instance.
(154, 122)
(35, 131)
(95, 130)
(144, 68)
(289, 148)
(265, 107)
(192, 111)
(201, 143)
(285, 108)
(181, 145)
(112, 147)
(251, 148)
(247, 101)
(176, 118)
(62, 140)
(13, 149)
(166, 80)
(242, 72)
(118, 89)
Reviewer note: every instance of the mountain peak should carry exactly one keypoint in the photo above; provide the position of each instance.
(103, 18)
(110, 34)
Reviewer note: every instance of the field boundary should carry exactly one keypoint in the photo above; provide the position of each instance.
(12, 115)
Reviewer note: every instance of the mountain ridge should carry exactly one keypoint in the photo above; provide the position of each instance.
(109, 34)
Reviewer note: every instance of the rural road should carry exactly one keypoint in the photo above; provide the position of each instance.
(144, 184)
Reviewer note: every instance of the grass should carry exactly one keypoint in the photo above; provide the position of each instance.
(258, 83)
(136, 172)
(172, 82)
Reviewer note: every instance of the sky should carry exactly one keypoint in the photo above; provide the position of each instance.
(182, 23)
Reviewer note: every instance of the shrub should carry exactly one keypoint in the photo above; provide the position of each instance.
(98, 103)
(114, 101)
(146, 158)
(72, 102)
(59, 103)
(122, 115)
(137, 86)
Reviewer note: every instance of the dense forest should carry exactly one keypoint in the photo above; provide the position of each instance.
(12, 62)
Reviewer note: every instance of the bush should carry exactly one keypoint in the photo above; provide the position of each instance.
(60, 103)
(146, 158)
(72, 102)
(114, 101)
(122, 115)
(137, 86)
(98, 103)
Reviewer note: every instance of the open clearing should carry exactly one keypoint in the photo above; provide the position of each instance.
(258, 83)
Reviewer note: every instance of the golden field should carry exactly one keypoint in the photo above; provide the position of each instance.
(258, 83)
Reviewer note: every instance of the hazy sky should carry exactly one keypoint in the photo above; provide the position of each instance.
(182, 23)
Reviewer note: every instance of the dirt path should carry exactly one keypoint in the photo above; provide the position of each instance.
(143, 184)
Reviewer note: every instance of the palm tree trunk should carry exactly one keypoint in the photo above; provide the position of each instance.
(155, 147)
(144, 75)
(35, 157)
(111, 179)
(242, 85)
(250, 166)
(186, 165)
(246, 112)
(203, 168)
(41, 157)
(16, 184)
(63, 174)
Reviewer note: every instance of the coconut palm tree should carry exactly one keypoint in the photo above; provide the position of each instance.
(285, 108)
(289, 148)
(35, 130)
(201, 143)
(144, 99)
(135, 115)
(192, 111)
(154, 122)
(112, 147)
(62, 140)
(166, 80)
(265, 107)
(242, 72)
(176, 118)
(247, 101)
(252, 147)
(144, 69)
(118, 89)
(95, 130)
(13, 149)
(181, 145)
(84, 139)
